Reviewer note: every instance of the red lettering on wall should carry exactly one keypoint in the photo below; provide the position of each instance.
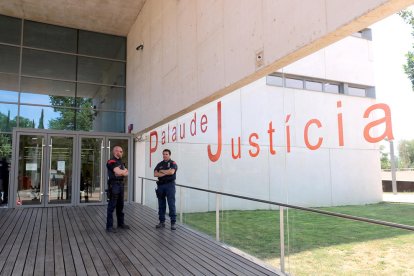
(174, 134)
(193, 131)
(216, 156)
(254, 145)
(238, 155)
(271, 130)
(203, 122)
(287, 133)
(386, 119)
(153, 149)
(182, 131)
(340, 125)
(306, 136)
(163, 137)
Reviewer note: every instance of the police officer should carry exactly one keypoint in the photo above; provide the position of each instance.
(116, 174)
(166, 172)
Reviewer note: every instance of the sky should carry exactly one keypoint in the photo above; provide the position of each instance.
(392, 39)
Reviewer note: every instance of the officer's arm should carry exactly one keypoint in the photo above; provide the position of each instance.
(168, 172)
(158, 173)
(120, 172)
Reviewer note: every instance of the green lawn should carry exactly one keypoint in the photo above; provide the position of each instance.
(314, 240)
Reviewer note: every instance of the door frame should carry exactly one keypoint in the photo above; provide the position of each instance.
(77, 135)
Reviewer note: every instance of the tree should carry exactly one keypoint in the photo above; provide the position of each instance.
(385, 161)
(406, 153)
(409, 66)
(83, 118)
(41, 125)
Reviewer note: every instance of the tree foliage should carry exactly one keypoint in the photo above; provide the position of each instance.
(385, 160)
(406, 153)
(83, 118)
(409, 66)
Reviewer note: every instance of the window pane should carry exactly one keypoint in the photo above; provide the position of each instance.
(50, 37)
(9, 83)
(102, 97)
(53, 118)
(9, 59)
(313, 85)
(356, 91)
(48, 65)
(101, 45)
(101, 119)
(331, 88)
(294, 83)
(10, 29)
(274, 80)
(101, 71)
(8, 114)
(48, 92)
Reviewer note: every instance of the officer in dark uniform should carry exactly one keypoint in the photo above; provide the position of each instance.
(116, 174)
(166, 172)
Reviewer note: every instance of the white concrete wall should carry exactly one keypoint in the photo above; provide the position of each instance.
(196, 51)
(337, 62)
(329, 176)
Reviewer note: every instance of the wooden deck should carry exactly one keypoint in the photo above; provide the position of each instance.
(73, 241)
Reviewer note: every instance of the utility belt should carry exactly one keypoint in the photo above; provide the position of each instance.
(165, 182)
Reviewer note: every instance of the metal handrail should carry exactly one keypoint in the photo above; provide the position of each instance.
(313, 210)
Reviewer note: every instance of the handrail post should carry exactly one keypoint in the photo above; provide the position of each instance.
(217, 217)
(142, 191)
(282, 239)
(181, 205)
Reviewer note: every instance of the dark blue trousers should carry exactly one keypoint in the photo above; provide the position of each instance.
(166, 193)
(116, 202)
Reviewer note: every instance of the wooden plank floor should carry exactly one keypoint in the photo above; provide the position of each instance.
(73, 241)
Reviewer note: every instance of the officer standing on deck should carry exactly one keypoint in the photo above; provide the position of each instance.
(116, 174)
(166, 171)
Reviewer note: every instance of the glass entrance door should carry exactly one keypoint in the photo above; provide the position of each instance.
(60, 169)
(31, 160)
(64, 168)
(45, 167)
(91, 188)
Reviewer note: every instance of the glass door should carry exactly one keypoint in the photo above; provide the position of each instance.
(31, 160)
(91, 188)
(44, 169)
(60, 170)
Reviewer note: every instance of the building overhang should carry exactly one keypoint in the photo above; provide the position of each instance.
(110, 16)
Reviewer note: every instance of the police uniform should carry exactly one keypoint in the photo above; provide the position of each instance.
(115, 193)
(166, 189)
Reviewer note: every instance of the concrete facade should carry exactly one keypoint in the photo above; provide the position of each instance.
(197, 51)
(282, 168)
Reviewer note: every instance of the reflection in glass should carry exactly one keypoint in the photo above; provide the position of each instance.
(46, 117)
(60, 170)
(9, 57)
(101, 119)
(8, 116)
(101, 71)
(103, 97)
(29, 184)
(47, 92)
(51, 37)
(102, 45)
(48, 65)
(90, 176)
(8, 84)
(10, 29)
(5, 146)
